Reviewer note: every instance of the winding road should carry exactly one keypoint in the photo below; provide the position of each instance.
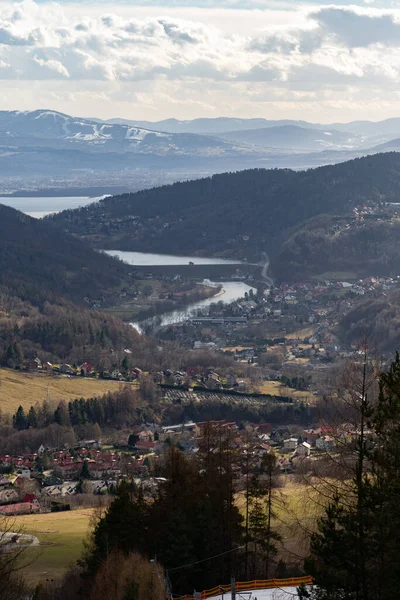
(265, 266)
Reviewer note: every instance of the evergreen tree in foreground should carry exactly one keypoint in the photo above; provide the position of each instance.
(354, 553)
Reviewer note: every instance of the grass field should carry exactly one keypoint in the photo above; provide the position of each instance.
(300, 333)
(61, 541)
(28, 388)
(275, 388)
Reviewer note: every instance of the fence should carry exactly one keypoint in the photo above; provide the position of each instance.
(247, 586)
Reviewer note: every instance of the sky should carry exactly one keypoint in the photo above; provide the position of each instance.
(155, 59)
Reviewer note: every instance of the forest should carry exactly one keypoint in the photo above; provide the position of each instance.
(39, 262)
(243, 214)
(45, 275)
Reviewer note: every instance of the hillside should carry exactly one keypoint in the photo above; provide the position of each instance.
(26, 389)
(294, 138)
(328, 245)
(39, 262)
(241, 214)
(374, 319)
(47, 280)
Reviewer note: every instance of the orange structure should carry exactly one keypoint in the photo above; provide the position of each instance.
(248, 586)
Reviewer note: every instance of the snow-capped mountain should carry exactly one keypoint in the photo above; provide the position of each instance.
(44, 144)
(47, 128)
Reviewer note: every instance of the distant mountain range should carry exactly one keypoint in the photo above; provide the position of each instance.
(219, 125)
(43, 144)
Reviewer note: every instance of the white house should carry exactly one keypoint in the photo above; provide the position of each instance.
(303, 449)
(290, 444)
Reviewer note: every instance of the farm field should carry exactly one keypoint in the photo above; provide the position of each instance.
(61, 541)
(26, 389)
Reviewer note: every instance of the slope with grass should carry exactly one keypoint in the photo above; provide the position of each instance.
(61, 538)
(26, 389)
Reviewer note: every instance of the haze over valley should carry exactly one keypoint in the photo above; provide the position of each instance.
(199, 300)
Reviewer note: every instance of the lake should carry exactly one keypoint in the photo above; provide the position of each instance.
(40, 207)
(147, 259)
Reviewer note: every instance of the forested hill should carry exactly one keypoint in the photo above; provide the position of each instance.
(237, 214)
(38, 260)
(47, 279)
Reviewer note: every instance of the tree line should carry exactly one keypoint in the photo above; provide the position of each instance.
(192, 523)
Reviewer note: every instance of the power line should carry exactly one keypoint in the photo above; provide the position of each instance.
(216, 555)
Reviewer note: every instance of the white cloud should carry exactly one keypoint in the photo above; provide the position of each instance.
(206, 61)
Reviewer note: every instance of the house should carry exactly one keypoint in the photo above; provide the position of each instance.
(145, 447)
(86, 369)
(144, 435)
(242, 386)
(30, 499)
(303, 449)
(33, 365)
(24, 472)
(71, 470)
(21, 508)
(325, 443)
(88, 444)
(178, 378)
(135, 373)
(290, 444)
(116, 374)
(310, 436)
(8, 495)
(231, 379)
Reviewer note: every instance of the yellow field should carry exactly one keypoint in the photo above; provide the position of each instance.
(300, 334)
(61, 541)
(26, 389)
(275, 388)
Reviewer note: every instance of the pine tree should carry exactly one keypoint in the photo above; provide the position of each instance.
(61, 414)
(32, 418)
(20, 421)
(354, 553)
(85, 472)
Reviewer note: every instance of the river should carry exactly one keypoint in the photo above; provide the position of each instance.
(231, 290)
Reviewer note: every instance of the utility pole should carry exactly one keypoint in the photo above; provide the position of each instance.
(233, 588)
(246, 556)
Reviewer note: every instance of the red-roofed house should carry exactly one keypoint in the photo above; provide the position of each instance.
(86, 369)
(30, 499)
(144, 446)
(22, 508)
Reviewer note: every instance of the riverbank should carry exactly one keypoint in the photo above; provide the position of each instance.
(133, 311)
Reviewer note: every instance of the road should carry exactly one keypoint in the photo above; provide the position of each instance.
(265, 266)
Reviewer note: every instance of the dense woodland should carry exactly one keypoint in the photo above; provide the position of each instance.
(372, 248)
(39, 262)
(241, 214)
(44, 275)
